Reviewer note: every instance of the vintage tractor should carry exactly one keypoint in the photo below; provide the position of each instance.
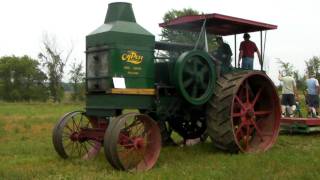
(182, 91)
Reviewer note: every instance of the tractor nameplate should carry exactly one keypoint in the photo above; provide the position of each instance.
(132, 57)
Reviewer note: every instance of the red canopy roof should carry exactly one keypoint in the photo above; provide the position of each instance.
(217, 24)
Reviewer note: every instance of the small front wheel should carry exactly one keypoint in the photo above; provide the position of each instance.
(68, 139)
(132, 142)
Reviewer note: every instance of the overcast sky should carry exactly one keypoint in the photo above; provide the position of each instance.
(23, 23)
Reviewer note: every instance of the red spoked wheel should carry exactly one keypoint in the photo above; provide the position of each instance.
(71, 138)
(244, 113)
(132, 142)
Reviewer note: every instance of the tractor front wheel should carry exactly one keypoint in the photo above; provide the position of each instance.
(68, 140)
(132, 142)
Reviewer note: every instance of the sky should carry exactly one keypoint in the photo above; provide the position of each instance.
(23, 24)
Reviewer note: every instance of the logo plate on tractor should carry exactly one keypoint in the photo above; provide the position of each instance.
(132, 57)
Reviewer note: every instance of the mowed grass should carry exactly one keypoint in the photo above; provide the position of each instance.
(26, 152)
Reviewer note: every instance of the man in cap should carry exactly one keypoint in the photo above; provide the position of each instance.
(313, 95)
(247, 50)
(288, 93)
(223, 53)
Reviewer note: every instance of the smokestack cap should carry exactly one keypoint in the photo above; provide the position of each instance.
(120, 11)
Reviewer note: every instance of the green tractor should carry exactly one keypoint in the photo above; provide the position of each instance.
(183, 91)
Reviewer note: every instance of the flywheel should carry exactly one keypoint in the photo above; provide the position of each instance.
(244, 113)
(194, 76)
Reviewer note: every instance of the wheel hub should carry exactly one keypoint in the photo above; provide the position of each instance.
(74, 136)
(249, 113)
(138, 142)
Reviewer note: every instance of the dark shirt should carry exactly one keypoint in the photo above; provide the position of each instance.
(223, 53)
(248, 47)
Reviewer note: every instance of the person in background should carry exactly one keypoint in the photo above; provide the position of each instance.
(223, 54)
(288, 93)
(313, 95)
(246, 54)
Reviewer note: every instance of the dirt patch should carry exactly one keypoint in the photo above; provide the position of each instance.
(11, 127)
(40, 128)
(28, 130)
(13, 119)
(4, 139)
(20, 124)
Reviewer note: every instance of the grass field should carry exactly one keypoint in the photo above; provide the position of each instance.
(26, 152)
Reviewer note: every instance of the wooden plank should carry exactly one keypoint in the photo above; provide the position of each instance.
(133, 91)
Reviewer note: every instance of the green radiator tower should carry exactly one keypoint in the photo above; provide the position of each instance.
(119, 49)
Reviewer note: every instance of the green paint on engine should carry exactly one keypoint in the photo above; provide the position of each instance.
(125, 45)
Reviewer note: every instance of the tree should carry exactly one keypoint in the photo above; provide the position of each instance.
(170, 35)
(54, 62)
(77, 81)
(182, 36)
(300, 81)
(313, 66)
(22, 80)
(288, 69)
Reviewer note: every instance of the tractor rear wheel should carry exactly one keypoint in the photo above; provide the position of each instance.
(244, 113)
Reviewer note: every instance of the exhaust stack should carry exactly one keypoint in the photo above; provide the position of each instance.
(119, 11)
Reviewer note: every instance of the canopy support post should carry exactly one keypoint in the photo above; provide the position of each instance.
(235, 50)
(261, 50)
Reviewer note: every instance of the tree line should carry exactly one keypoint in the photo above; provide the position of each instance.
(28, 79)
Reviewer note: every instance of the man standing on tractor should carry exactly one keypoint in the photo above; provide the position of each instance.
(313, 95)
(223, 53)
(247, 49)
(288, 93)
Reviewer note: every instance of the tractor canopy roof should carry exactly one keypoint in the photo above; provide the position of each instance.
(216, 24)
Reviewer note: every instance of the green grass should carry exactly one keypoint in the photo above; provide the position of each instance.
(26, 152)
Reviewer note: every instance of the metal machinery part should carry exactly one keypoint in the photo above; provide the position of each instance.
(193, 80)
(165, 128)
(194, 75)
(78, 136)
(244, 114)
(299, 125)
(133, 142)
(189, 123)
